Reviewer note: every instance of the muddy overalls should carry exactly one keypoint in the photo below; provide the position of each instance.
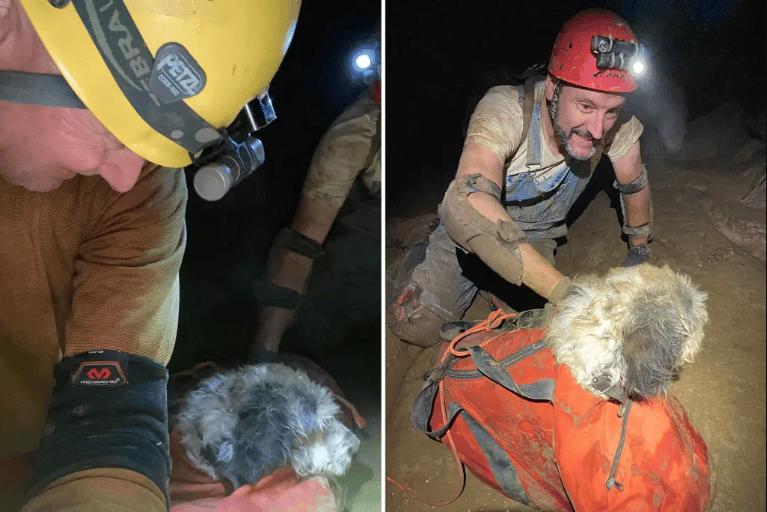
(537, 199)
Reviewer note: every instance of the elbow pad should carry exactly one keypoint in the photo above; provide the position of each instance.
(496, 243)
(109, 409)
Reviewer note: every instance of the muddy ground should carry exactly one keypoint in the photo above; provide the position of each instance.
(703, 229)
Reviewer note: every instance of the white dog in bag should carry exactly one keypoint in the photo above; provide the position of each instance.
(243, 424)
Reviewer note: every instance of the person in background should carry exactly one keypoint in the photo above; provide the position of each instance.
(348, 153)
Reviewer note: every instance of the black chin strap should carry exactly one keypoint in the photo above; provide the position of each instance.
(37, 89)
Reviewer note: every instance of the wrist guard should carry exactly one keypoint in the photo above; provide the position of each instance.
(109, 409)
(637, 255)
(645, 230)
(298, 243)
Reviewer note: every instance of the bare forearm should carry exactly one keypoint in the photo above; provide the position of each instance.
(538, 274)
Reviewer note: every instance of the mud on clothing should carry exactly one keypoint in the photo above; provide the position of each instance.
(518, 419)
(350, 147)
(538, 191)
(85, 268)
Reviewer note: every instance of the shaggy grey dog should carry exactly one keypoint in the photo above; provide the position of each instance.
(245, 423)
(635, 327)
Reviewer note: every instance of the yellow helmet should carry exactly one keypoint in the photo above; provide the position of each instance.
(165, 75)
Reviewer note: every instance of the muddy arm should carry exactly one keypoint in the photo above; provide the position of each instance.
(288, 269)
(537, 273)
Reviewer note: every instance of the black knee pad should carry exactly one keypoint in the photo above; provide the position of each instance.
(109, 409)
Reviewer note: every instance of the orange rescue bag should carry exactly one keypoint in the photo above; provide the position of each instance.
(519, 421)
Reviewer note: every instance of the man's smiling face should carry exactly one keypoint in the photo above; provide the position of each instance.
(581, 117)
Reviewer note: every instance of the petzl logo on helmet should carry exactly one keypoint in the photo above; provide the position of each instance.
(175, 75)
(99, 373)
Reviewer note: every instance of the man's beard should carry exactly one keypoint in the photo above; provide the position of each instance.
(562, 135)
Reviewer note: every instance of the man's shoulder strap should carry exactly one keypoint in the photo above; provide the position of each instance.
(528, 91)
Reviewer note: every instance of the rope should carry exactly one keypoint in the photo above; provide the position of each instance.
(611, 477)
(493, 321)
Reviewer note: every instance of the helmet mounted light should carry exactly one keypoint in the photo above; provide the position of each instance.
(155, 86)
(225, 165)
(364, 61)
(617, 54)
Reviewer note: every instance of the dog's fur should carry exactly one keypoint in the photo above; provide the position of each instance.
(244, 424)
(636, 326)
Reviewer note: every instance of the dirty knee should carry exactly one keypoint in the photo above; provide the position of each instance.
(421, 327)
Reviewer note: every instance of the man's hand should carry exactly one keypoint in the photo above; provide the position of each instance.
(637, 255)
(564, 288)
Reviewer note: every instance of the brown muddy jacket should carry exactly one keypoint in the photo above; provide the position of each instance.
(83, 268)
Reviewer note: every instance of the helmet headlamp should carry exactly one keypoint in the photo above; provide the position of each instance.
(237, 155)
(364, 61)
(617, 54)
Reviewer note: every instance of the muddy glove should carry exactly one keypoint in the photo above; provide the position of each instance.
(562, 290)
(637, 255)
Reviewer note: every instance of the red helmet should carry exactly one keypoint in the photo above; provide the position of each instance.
(573, 61)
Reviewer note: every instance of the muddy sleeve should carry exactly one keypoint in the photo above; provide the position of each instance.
(348, 147)
(497, 122)
(95, 490)
(126, 282)
(623, 139)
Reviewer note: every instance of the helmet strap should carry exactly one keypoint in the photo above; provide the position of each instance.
(553, 105)
(41, 89)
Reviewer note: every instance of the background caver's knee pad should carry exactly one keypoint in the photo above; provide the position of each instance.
(419, 327)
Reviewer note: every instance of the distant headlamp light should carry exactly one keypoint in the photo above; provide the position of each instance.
(618, 54)
(363, 61)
